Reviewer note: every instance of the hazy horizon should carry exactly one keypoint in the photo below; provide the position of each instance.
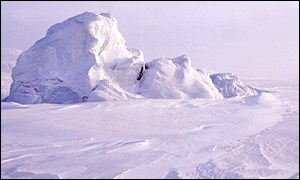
(260, 39)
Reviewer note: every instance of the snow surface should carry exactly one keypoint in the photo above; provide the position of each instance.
(155, 138)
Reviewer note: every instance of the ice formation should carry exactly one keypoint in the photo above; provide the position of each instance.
(229, 85)
(85, 58)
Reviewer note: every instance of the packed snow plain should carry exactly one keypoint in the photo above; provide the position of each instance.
(173, 121)
(243, 137)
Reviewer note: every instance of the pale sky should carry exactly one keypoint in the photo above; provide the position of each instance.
(260, 39)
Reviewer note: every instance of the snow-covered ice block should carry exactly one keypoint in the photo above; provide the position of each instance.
(229, 85)
(176, 78)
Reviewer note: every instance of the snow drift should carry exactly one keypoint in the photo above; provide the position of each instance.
(263, 99)
(85, 58)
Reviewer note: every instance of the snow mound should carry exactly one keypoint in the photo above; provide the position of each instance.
(264, 99)
(229, 85)
(85, 58)
(175, 78)
(72, 59)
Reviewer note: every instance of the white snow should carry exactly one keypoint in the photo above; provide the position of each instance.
(154, 138)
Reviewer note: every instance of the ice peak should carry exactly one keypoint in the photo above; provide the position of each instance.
(184, 56)
(184, 60)
(82, 20)
(87, 16)
(92, 15)
(109, 15)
